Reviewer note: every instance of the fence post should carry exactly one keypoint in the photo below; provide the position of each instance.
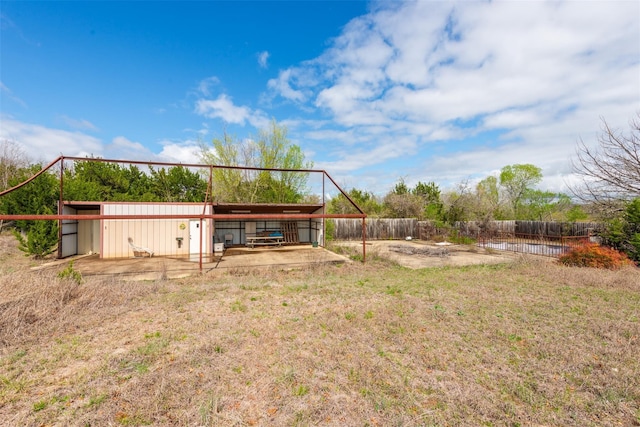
(364, 241)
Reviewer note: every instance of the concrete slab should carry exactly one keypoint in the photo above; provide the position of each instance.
(170, 267)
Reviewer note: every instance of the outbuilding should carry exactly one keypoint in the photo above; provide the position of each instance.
(180, 232)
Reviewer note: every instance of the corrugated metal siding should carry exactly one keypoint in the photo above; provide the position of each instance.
(88, 233)
(156, 234)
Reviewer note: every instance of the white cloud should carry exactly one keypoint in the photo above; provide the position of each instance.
(204, 86)
(282, 85)
(45, 144)
(122, 144)
(79, 124)
(263, 58)
(223, 108)
(172, 151)
(185, 152)
(522, 79)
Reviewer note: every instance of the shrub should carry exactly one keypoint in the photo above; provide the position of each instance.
(330, 228)
(623, 232)
(41, 239)
(71, 274)
(594, 255)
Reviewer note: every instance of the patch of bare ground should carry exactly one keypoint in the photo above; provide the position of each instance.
(525, 343)
(418, 254)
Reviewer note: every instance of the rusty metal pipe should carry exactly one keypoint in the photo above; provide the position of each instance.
(344, 193)
(177, 216)
(22, 184)
(189, 165)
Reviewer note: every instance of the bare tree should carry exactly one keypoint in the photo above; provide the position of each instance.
(609, 173)
(271, 149)
(12, 158)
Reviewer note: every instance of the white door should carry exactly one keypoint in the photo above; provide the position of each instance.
(194, 236)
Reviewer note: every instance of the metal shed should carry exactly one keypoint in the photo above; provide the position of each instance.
(180, 237)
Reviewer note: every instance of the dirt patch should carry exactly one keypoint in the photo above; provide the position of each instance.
(419, 254)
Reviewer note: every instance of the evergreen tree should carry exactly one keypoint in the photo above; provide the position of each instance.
(39, 197)
(41, 237)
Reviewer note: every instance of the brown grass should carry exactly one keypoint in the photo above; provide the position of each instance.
(530, 343)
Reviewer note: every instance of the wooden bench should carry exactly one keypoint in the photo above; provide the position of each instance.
(253, 241)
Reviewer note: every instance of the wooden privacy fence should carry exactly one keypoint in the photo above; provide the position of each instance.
(377, 228)
(387, 229)
(555, 229)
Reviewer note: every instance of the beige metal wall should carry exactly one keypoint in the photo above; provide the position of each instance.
(88, 233)
(155, 234)
(317, 234)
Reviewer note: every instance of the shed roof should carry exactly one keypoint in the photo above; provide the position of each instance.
(265, 208)
(219, 208)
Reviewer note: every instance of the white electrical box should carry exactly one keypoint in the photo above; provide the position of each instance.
(218, 248)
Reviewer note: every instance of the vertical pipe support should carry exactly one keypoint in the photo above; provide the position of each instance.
(200, 262)
(324, 211)
(60, 201)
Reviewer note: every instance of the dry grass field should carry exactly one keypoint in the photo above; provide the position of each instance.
(529, 343)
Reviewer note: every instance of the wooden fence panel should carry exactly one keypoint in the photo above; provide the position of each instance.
(474, 228)
(554, 229)
(377, 228)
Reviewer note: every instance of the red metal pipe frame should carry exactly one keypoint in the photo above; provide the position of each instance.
(177, 216)
(194, 165)
(204, 209)
(344, 193)
(188, 165)
(60, 209)
(22, 184)
(324, 209)
(61, 217)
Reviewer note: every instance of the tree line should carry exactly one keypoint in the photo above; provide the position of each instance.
(509, 195)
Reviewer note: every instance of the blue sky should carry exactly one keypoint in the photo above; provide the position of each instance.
(371, 91)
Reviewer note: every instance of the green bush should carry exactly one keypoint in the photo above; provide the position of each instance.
(41, 238)
(71, 273)
(330, 228)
